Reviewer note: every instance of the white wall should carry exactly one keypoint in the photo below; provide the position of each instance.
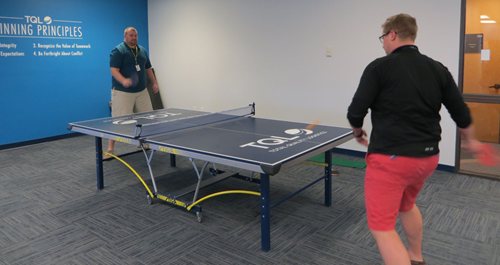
(220, 54)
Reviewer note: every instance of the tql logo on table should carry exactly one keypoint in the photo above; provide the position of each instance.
(134, 119)
(272, 141)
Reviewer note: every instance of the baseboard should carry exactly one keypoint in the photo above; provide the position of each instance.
(361, 154)
(37, 141)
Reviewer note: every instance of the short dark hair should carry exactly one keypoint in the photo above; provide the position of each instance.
(127, 29)
(404, 24)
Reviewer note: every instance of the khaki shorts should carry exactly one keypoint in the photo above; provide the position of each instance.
(124, 103)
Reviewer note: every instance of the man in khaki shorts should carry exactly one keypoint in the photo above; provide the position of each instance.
(130, 64)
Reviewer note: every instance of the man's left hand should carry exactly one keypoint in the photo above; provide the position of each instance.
(360, 136)
(156, 88)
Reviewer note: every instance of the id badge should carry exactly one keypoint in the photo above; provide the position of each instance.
(137, 68)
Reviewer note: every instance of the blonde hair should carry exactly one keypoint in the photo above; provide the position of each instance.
(403, 24)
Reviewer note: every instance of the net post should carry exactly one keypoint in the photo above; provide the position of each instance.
(137, 131)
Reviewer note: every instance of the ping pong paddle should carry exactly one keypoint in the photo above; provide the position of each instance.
(487, 155)
(135, 78)
(313, 124)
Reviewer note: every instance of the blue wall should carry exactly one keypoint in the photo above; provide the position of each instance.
(39, 92)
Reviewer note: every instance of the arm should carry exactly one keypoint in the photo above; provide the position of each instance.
(115, 63)
(460, 113)
(152, 79)
(453, 101)
(362, 100)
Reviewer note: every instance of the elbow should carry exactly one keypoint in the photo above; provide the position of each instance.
(356, 122)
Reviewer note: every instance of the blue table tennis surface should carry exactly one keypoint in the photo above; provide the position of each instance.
(234, 138)
(265, 143)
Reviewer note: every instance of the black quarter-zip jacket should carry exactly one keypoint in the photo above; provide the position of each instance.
(404, 92)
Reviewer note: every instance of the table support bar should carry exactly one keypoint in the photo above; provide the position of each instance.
(282, 200)
(265, 213)
(98, 163)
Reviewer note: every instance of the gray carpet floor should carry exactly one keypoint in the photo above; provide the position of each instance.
(51, 213)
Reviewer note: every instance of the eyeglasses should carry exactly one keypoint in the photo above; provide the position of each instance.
(381, 38)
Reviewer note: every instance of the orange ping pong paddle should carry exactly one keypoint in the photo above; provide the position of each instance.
(487, 156)
(313, 124)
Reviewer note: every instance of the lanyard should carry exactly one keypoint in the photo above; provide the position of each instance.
(136, 53)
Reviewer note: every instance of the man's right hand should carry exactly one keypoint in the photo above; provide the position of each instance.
(127, 82)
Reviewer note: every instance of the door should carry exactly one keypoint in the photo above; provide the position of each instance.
(481, 79)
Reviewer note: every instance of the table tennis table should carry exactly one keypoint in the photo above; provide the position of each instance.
(234, 138)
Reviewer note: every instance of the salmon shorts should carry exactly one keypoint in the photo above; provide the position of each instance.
(392, 184)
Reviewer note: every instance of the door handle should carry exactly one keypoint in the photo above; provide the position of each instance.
(495, 86)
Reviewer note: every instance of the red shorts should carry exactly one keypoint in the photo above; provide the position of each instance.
(392, 184)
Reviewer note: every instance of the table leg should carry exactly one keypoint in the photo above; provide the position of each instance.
(172, 160)
(328, 178)
(265, 217)
(98, 163)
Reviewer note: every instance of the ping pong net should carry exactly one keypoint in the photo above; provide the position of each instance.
(174, 125)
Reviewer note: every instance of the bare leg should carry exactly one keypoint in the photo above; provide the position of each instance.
(111, 146)
(412, 225)
(391, 247)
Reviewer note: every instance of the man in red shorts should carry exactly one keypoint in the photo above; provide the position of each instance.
(404, 91)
